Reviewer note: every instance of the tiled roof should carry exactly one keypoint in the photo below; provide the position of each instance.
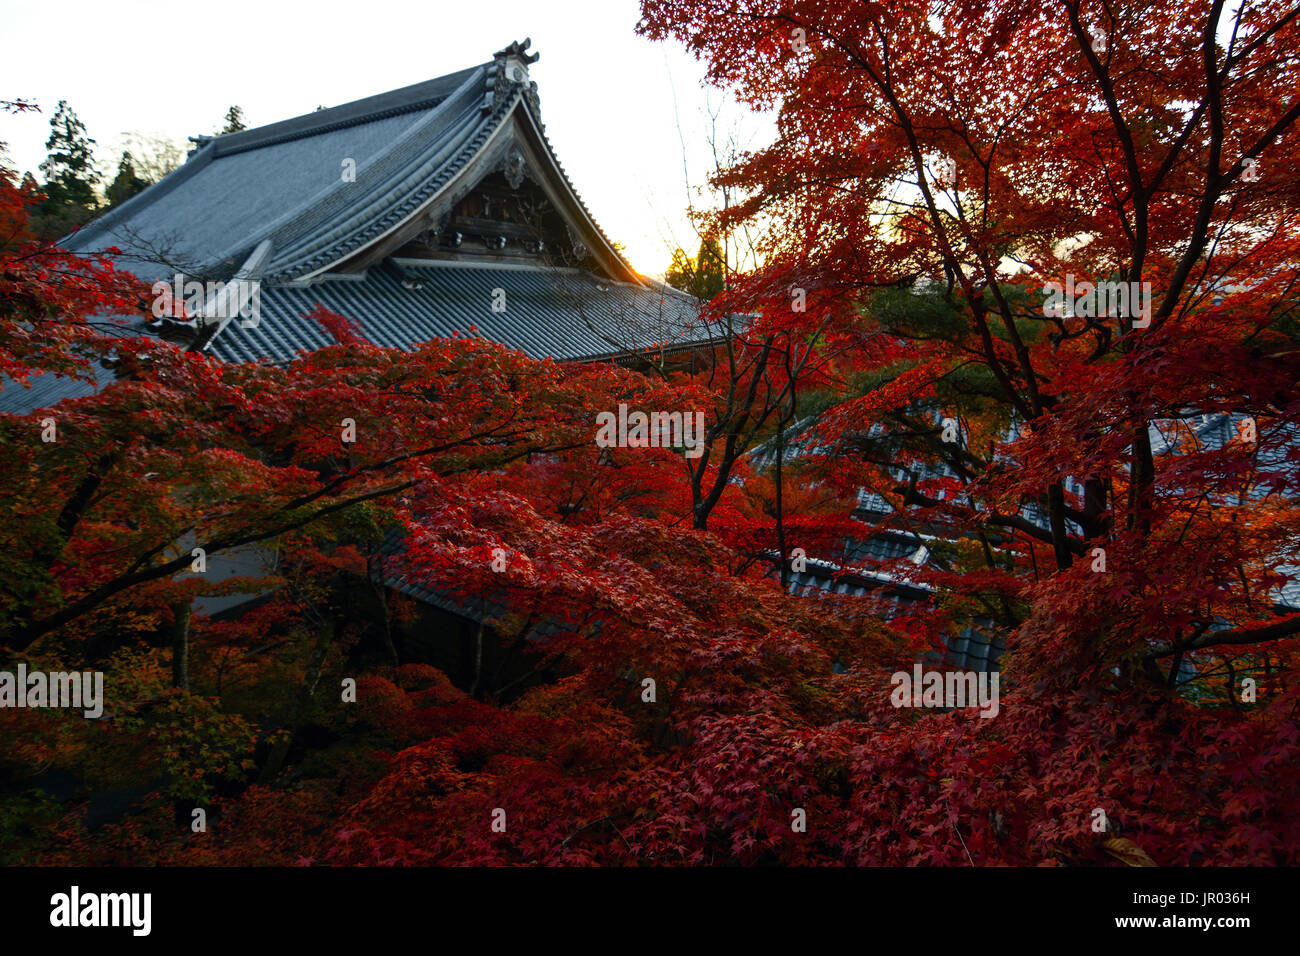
(279, 190)
(44, 391)
(562, 314)
(321, 187)
(974, 649)
(284, 182)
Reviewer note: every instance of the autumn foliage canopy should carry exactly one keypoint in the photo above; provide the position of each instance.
(641, 685)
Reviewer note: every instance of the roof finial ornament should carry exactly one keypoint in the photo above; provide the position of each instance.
(513, 61)
(199, 142)
(510, 70)
(519, 50)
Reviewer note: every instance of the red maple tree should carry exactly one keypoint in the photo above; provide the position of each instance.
(1110, 487)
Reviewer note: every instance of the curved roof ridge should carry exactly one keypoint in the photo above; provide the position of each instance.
(412, 171)
(339, 205)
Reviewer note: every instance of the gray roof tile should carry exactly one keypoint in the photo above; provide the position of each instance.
(548, 313)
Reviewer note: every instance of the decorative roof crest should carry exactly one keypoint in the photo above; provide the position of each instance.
(509, 71)
(519, 50)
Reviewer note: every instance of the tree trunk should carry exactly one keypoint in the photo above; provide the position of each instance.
(375, 571)
(780, 507)
(478, 651)
(181, 645)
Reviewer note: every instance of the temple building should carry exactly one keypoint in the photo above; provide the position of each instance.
(434, 209)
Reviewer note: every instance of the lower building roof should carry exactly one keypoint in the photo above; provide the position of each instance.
(565, 314)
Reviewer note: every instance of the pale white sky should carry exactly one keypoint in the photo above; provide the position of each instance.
(610, 99)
